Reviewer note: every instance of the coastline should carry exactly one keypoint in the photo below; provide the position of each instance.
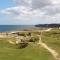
(14, 32)
(8, 28)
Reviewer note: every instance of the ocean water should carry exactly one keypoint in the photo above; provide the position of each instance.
(5, 28)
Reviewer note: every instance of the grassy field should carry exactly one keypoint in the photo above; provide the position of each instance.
(31, 52)
(52, 39)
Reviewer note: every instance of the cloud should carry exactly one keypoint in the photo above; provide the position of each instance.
(21, 11)
(55, 1)
(52, 9)
(12, 10)
(26, 7)
(36, 4)
(32, 6)
(44, 9)
(23, 2)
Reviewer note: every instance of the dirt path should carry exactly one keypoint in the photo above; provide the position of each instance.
(53, 52)
(48, 29)
(11, 42)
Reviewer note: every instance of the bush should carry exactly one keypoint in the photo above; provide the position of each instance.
(20, 34)
(34, 39)
(29, 34)
(22, 45)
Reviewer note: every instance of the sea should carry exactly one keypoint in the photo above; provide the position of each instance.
(7, 28)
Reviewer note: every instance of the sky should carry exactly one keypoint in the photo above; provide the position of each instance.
(29, 12)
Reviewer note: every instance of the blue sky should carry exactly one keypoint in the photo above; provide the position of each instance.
(29, 12)
(6, 4)
(5, 19)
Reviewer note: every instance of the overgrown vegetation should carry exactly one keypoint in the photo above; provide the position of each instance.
(34, 39)
(22, 45)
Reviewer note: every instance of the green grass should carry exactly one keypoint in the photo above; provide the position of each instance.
(52, 39)
(31, 52)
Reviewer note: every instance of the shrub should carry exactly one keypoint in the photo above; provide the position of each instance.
(20, 34)
(22, 45)
(34, 39)
(29, 34)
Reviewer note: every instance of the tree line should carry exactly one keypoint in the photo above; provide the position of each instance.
(48, 25)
